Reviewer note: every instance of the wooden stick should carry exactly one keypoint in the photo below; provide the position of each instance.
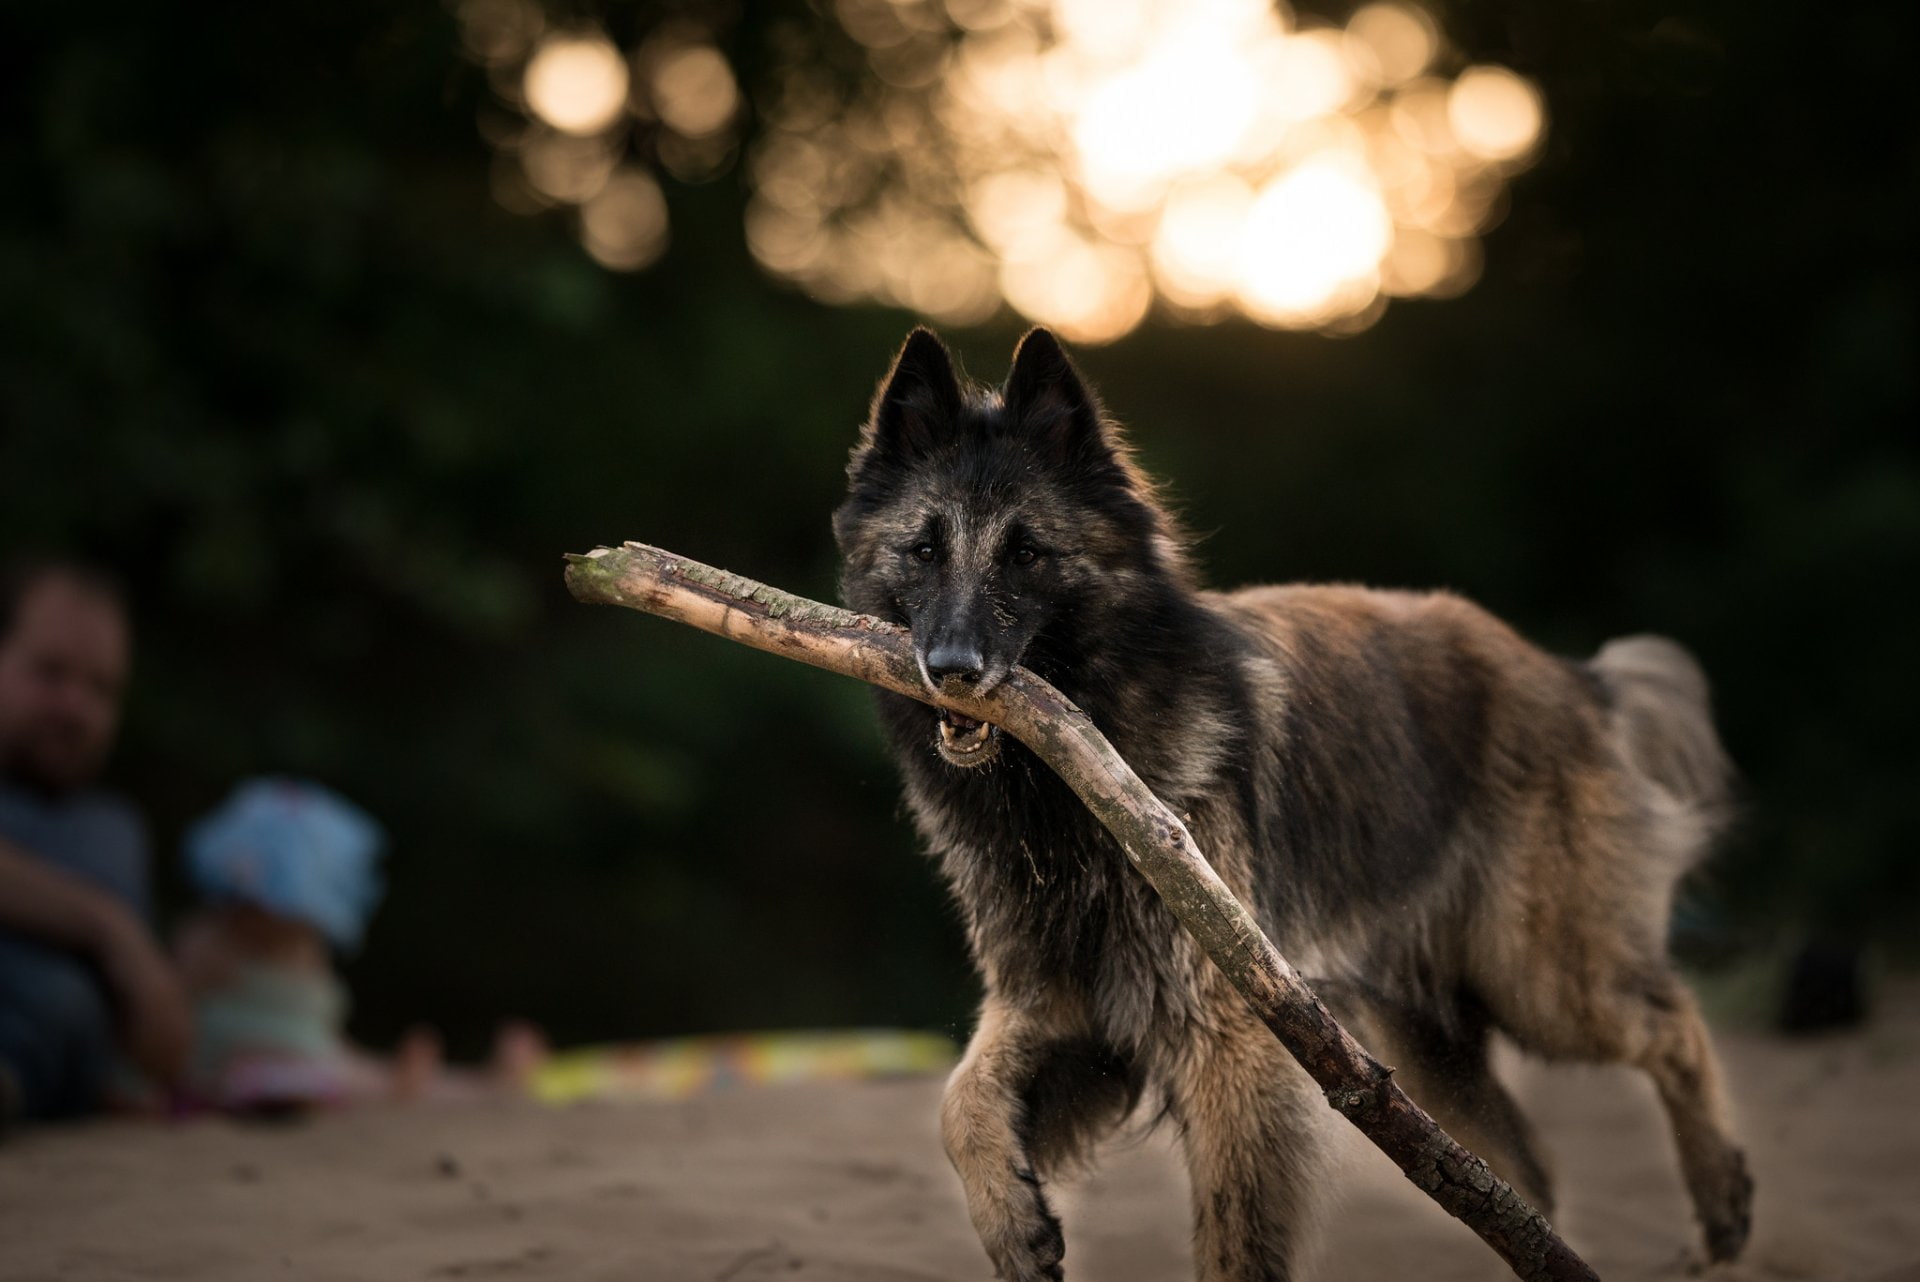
(1360, 1088)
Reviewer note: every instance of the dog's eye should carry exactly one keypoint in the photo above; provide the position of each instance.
(924, 552)
(1025, 556)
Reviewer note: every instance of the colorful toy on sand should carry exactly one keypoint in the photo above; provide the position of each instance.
(682, 1066)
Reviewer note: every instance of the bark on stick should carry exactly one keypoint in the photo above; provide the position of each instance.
(1357, 1086)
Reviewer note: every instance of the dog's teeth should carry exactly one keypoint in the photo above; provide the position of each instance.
(965, 741)
(960, 745)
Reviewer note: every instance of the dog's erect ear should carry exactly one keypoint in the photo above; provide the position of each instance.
(1050, 405)
(917, 404)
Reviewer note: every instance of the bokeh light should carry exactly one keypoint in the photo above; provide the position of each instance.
(1083, 162)
(565, 169)
(693, 90)
(577, 84)
(624, 224)
(581, 123)
(498, 33)
(1209, 157)
(1197, 245)
(1393, 43)
(1335, 211)
(1494, 113)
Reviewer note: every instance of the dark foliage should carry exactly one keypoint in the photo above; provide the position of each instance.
(272, 355)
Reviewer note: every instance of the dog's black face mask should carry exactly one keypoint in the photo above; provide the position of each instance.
(984, 522)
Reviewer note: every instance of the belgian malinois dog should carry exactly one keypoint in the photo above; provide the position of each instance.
(1456, 830)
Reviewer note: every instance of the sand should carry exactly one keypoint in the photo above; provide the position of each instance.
(847, 1181)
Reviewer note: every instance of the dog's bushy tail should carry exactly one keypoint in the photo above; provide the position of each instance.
(1662, 718)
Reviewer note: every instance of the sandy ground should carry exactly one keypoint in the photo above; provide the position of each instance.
(846, 1181)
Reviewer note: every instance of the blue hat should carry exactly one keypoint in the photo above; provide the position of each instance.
(293, 848)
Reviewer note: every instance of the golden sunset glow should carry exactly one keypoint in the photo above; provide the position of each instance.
(1083, 162)
(1110, 156)
(1312, 243)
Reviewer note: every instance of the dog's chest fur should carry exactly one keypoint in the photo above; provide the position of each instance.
(1053, 909)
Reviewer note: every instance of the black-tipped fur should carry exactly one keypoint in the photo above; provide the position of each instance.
(1417, 804)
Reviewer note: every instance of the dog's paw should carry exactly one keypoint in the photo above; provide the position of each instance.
(1048, 1247)
(1726, 1208)
(1031, 1244)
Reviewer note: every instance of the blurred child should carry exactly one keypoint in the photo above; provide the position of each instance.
(289, 872)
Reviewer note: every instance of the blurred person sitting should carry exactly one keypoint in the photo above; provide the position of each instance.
(289, 874)
(84, 987)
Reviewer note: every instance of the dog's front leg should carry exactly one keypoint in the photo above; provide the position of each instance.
(982, 1119)
(1249, 1121)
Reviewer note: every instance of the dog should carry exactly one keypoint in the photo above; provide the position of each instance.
(1459, 832)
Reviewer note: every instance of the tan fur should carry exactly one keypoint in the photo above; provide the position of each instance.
(1586, 860)
(1451, 832)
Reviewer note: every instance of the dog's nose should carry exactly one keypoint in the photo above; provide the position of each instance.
(950, 662)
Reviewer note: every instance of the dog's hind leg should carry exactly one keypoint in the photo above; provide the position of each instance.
(1638, 1012)
(1675, 1050)
(1025, 1100)
(1249, 1121)
(1442, 1061)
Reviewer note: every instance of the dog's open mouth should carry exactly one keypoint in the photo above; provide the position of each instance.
(966, 742)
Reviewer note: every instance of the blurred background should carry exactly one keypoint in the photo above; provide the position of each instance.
(331, 327)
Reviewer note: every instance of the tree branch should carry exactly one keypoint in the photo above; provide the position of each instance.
(1360, 1088)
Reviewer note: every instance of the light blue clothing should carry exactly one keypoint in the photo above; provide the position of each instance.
(293, 848)
(57, 1038)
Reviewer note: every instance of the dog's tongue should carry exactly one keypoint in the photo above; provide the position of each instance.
(957, 721)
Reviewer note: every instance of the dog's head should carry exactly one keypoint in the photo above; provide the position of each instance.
(1002, 526)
